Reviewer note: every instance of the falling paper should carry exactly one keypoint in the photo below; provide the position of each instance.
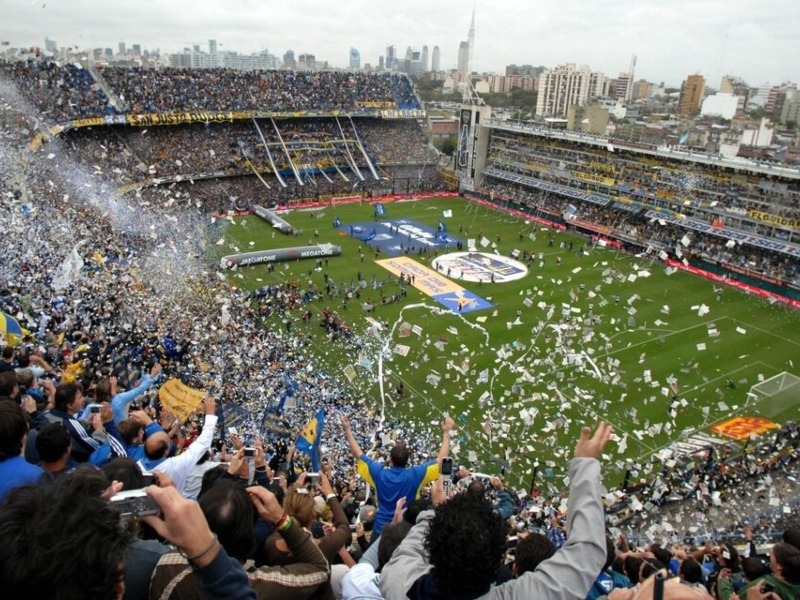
(401, 349)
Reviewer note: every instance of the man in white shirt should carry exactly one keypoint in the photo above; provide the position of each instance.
(156, 449)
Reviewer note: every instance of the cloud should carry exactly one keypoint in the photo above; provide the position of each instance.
(670, 39)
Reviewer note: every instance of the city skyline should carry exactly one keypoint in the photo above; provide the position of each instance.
(713, 38)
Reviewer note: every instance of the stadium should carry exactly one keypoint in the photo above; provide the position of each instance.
(536, 282)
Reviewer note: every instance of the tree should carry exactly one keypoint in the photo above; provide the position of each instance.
(449, 145)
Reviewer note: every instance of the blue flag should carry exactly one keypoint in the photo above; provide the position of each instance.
(289, 388)
(310, 438)
(379, 210)
(336, 222)
(11, 328)
(441, 228)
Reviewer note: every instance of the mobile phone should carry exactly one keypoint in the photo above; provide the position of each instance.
(276, 480)
(149, 479)
(249, 452)
(94, 409)
(512, 542)
(447, 466)
(766, 588)
(447, 473)
(312, 478)
(132, 504)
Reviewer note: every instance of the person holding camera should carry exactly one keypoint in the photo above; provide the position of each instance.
(783, 583)
(87, 435)
(219, 540)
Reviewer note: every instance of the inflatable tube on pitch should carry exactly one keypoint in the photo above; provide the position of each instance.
(273, 219)
(279, 254)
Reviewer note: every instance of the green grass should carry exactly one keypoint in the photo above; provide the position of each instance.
(534, 374)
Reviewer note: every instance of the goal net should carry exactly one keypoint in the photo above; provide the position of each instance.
(776, 395)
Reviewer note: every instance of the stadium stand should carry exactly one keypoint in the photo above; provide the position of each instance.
(147, 297)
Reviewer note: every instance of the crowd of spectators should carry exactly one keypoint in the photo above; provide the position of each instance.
(59, 93)
(64, 92)
(644, 232)
(323, 159)
(81, 420)
(700, 192)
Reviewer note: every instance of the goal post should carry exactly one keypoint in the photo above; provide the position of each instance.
(775, 395)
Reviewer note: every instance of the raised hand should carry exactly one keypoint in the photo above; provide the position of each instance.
(591, 446)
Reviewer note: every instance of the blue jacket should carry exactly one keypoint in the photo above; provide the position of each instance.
(83, 444)
(16, 472)
(606, 582)
(504, 504)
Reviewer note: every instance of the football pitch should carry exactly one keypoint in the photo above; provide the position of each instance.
(587, 333)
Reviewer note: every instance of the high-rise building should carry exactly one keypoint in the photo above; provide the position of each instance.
(391, 58)
(726, 85)
(136, 49)
(463, 57)
(212, 47)
(414, 66)
(436, 60)
(306, 62)
(565, 86)
(50, 45)
(642, 90)
(778, 98)
(122, 49)
(355, 58)
(424, 59)
(288, 60)
(471, 42)
(736, 86)
(772, 98)
(789, 103)
(623, 88)
(691, 95)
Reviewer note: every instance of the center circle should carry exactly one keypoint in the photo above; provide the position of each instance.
(479, 267)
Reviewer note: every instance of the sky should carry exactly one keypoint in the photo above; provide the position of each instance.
(758, 41)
